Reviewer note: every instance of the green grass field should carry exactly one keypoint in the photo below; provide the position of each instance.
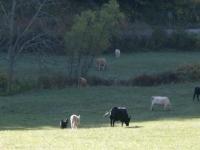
(126, 66)
(30, 121)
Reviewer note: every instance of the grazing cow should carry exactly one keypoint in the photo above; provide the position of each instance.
(101, 62)
(118, 113)
(63, 124)
(82, 82)
(75, 121)
(117, 53)
(159, 100)
(196, 92)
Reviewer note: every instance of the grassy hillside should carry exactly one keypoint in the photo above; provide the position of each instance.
(31, 120)
(127, 65)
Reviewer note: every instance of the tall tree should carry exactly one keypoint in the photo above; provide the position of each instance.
(91, 35)
(23, 29)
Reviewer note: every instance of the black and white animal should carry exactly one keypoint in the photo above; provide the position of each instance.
(196, 92)
(63, 124)
(118, 114)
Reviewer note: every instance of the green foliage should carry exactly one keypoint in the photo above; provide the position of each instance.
(76, 38)
(154, 79)
(190, 70)
(99, 81)
(134, 69)
(91, 35)
(20, 86)
(184, 73)
(159, 37)
(181, 40)
(54, 82)
(41, 82)
(177, 40)
(155, 12)
(92, 31)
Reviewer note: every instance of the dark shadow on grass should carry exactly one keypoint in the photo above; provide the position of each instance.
(134, 127)
(46, 114)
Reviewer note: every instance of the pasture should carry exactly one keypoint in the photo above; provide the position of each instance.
(27, 66)
(30, 120)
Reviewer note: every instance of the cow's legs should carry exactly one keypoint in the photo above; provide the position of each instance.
(73, 126)
(194, 95)
(151, 108)
(113, 122)
(198, 97)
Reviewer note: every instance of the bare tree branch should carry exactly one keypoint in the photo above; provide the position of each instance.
(30, 34)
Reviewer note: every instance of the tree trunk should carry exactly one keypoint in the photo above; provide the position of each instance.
(11, 49)
(10, 73)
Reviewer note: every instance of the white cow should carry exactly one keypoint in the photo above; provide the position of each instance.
(160, 100)
(101, 62)
(75, 121)
(117, 53)
(82, 82)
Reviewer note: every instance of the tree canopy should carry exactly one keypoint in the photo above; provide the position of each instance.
(91, 35)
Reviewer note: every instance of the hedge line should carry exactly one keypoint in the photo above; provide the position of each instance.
(184, 73)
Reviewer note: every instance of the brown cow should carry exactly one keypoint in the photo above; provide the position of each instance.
(82, 82)
(101, 62)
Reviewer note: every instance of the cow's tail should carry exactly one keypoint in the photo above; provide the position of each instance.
(106, 114)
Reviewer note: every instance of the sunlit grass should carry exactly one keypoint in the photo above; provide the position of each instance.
(163, 134)
(31, 120)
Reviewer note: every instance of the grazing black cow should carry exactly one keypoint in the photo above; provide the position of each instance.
(196, 92)
(118, 113)
(63, 124)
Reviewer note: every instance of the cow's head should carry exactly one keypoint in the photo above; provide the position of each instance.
(169, 106)
(127, 121)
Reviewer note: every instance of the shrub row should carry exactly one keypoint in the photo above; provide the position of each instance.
(184, 73)
(154, 79)
(160, 39)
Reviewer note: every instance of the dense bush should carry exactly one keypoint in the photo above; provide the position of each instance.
(98, 81)
(182, 40)
(189, 70)
(154, 79)
(159, 40)
(19, 86)
(53, 82)
(184, 73)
